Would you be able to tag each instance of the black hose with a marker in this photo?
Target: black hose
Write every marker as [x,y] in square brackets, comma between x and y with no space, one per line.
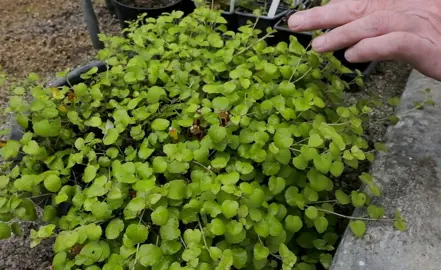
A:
[92,24]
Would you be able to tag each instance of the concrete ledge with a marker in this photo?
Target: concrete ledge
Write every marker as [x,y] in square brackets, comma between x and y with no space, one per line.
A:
[410,178]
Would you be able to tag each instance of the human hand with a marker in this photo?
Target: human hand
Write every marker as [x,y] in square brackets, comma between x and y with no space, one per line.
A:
[378,30]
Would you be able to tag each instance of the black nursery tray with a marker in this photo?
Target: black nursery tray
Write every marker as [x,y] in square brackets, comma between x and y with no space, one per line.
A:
[305,38]
[263,22]
[129,13]
[231,19]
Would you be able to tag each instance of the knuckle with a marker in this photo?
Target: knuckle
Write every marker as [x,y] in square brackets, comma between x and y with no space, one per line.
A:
[396,45]
[381,22]
[400,43]
[360,7]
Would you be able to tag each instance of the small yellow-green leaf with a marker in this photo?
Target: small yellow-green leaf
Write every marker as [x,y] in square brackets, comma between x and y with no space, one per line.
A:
[341,197]
[311,212]
[400,225]
[315,140]
[358,227]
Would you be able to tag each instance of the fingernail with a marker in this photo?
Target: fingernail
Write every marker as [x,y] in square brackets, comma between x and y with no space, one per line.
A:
[350,55]
[318,42]
[295,20]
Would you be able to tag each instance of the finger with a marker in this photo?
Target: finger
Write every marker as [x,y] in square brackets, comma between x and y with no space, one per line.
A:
[336,1]
[375,24]
[421,53]
[330,16]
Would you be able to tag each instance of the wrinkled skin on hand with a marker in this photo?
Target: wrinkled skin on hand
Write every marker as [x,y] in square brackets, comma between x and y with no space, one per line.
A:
[378,30]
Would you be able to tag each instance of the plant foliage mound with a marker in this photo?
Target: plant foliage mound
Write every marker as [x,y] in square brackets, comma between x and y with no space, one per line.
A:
[205,149]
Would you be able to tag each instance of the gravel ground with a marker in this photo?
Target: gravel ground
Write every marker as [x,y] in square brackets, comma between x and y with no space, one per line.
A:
[47,36]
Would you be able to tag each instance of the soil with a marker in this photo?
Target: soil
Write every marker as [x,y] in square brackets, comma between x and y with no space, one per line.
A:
[47,36]
[149,3]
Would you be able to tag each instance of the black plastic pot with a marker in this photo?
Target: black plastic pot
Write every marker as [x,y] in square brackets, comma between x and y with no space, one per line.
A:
[231,19]
[129,13]
[305,38]
[365,68]
[263,22]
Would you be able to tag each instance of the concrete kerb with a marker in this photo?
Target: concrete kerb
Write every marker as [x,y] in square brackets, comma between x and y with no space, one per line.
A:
[409,175]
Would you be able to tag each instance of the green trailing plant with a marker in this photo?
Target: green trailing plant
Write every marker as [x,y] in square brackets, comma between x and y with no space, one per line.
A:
[206,149]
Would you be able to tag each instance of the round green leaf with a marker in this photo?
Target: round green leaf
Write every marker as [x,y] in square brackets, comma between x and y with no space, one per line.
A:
[321,224]
[221,103]
[114,228]
[111,136]
[49,213]
[315,140]
[89,173]
[160,124]
[160,216]
[217,227]
[99,209]
[300,162]
[52,183]
[283,138]
[137,233]
[159,164]
[65,240]
[276,185]
[44,128]
[337,168]
[177,189]
[260,252]
[311,212]
[375,212]
[5,230]
[358,227]
[293,223]
[217,133]
[230,208]
[358,199]
[94,232]
[341,197]
[149,255]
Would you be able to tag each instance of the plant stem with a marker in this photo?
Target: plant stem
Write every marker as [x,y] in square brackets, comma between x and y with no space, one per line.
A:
[330,201]
[182,241]
[251,45]
[274,255]
[39,196]
[203,234]
[301,77]
[136,259]
[355,218]
[201,165]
